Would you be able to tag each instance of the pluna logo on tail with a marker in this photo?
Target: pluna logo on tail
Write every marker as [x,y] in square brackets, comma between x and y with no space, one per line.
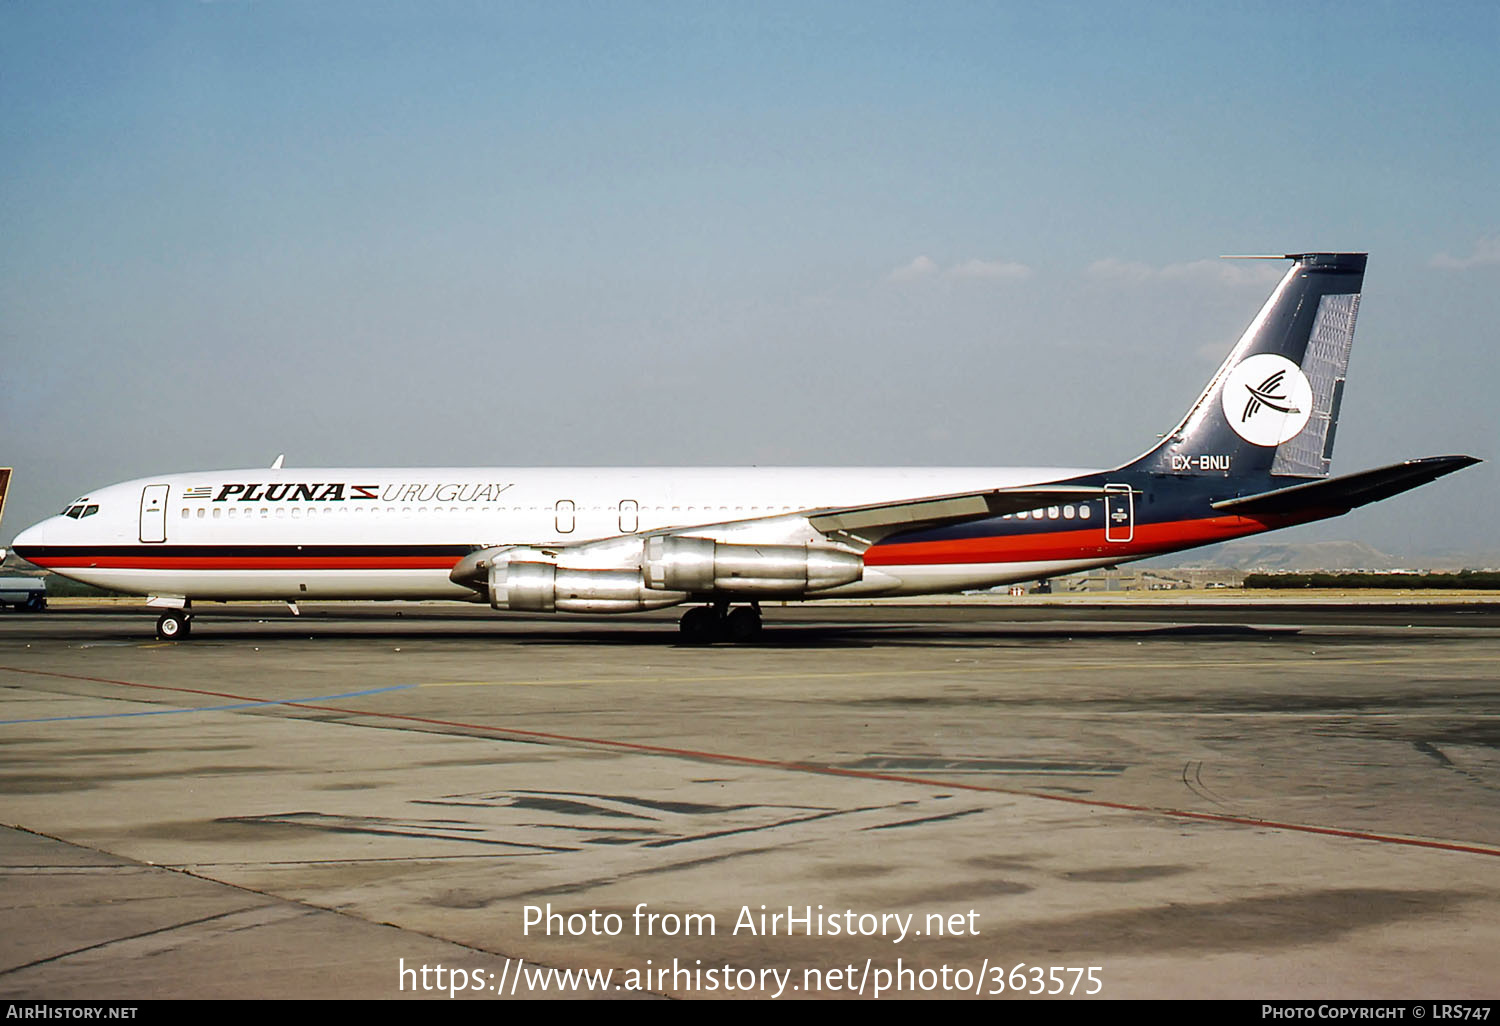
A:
[1266,395]
[1267,399]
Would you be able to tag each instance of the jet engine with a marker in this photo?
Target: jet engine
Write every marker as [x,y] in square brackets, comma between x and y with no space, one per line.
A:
[528,580]
[702,565]
[547,588]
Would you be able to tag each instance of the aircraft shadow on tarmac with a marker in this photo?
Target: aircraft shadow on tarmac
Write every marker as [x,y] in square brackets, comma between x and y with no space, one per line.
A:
[214,630]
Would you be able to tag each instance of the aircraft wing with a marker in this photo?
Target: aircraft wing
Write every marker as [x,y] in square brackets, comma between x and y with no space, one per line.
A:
[871,524]
[853,527]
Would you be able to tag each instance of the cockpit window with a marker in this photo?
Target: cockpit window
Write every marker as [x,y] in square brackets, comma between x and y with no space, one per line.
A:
[73,511]
[90,511]
[79,509]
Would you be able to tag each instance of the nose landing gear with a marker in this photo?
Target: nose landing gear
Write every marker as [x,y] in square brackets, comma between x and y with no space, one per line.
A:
[174,625]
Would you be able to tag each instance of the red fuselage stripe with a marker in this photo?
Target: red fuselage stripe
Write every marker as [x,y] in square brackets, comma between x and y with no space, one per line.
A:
[1027,547]
[1087,543]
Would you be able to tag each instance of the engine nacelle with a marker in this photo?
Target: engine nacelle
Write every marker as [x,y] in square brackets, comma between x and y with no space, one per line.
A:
[700,565]
[547,588]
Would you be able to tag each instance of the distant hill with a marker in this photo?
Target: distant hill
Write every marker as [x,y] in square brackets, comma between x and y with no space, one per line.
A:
[1255,554]
[1258,554]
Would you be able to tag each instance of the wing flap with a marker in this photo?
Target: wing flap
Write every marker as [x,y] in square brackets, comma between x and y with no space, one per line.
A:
[876,521]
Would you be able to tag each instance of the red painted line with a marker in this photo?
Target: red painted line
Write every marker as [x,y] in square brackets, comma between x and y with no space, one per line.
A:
[126,683]
[804,767]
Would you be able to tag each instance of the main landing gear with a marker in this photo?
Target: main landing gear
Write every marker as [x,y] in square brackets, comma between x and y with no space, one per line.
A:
[703,625]
[174,625]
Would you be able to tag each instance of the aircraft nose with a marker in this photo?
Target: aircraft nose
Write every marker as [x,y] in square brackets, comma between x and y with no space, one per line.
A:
[32,538]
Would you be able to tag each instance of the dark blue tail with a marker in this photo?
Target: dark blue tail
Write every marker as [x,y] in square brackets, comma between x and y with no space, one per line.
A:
[1270,411]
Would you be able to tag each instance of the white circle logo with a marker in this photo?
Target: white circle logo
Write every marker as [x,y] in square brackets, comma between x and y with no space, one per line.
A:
[1267,399]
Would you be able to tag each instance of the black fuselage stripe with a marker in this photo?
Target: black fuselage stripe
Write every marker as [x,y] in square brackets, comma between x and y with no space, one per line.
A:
[243,551]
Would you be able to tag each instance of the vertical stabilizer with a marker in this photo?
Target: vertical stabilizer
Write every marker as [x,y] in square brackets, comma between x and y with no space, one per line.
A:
[1272,407]
[4,487]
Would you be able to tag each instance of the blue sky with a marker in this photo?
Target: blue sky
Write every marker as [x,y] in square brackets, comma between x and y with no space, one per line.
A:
[595,233]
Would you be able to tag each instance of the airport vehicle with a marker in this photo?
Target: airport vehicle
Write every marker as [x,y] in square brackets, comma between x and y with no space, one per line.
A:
[28,593]
[1251,455]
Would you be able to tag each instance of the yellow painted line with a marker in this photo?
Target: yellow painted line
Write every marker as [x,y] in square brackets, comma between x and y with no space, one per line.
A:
[688,677]
[684,678]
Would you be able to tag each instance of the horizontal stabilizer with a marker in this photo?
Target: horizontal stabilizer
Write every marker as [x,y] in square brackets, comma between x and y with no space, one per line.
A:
[1351,490]
[872,523]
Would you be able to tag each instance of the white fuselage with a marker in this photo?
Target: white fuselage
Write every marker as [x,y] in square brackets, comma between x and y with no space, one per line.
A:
[395,533]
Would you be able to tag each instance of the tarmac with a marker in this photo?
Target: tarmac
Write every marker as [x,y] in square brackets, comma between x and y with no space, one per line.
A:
[1273,800]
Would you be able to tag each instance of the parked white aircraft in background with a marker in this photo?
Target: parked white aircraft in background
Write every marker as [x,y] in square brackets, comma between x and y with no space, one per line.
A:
[1251,455]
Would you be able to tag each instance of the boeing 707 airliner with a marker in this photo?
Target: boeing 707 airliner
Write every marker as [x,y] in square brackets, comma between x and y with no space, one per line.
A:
[1251,455]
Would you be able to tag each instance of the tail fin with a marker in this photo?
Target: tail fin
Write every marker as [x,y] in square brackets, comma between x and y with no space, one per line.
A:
[4,487]
[1272,407]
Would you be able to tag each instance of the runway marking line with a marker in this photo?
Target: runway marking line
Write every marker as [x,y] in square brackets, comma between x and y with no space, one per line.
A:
[804,767]
[255,704]
[964,669]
